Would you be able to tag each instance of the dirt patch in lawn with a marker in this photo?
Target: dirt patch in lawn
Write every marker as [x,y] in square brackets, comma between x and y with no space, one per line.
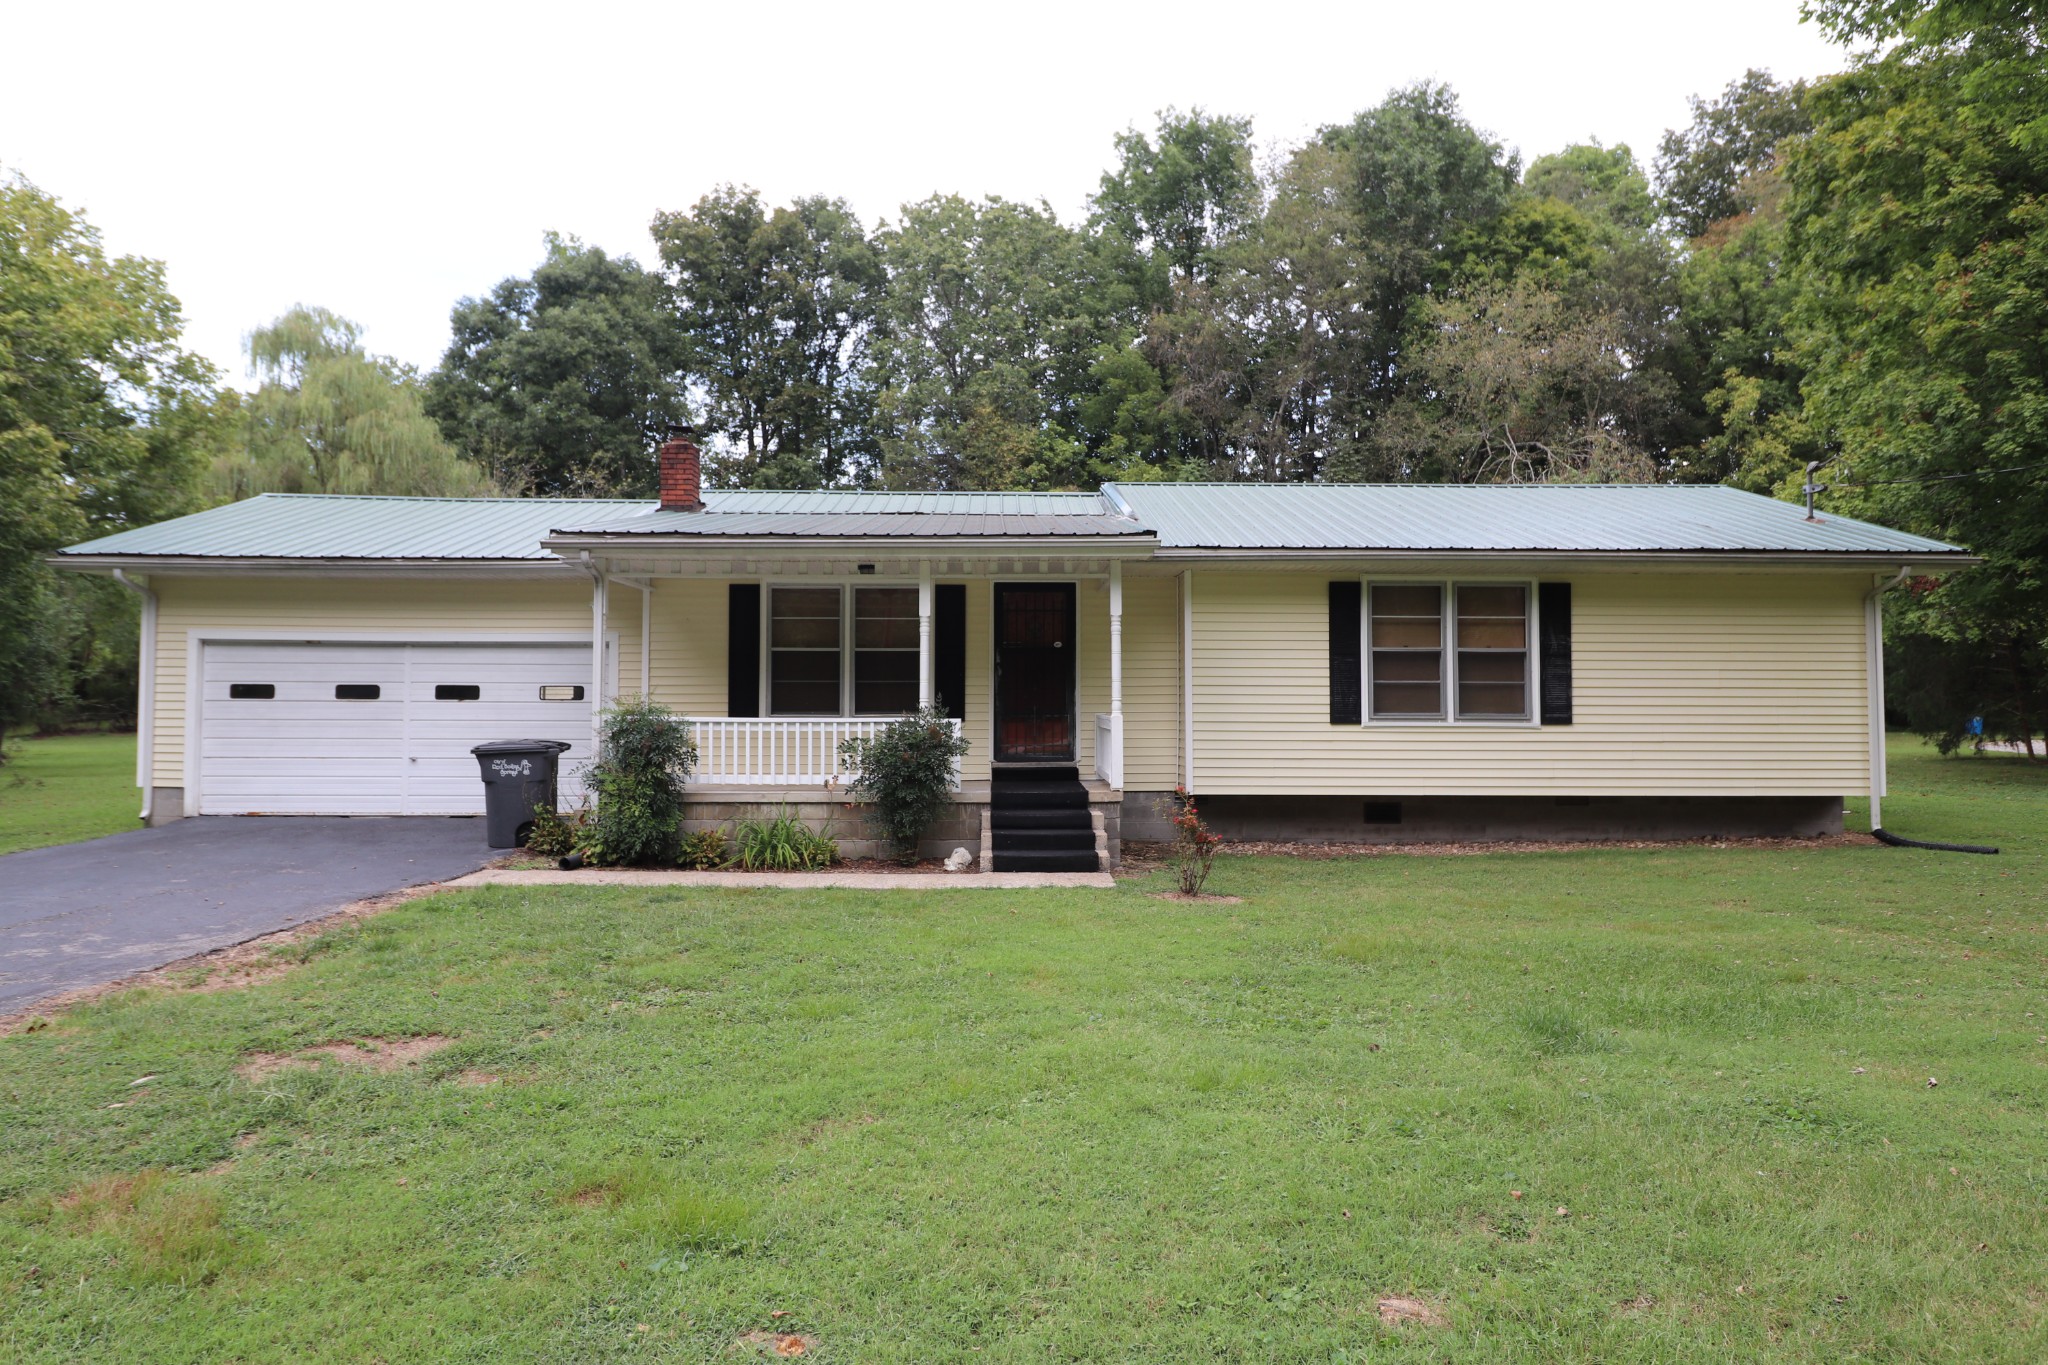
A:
[223,969]
[372,1054]
[1205,898]
[1396,1310]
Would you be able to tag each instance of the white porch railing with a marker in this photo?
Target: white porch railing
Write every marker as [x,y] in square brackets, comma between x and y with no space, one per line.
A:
[1109,749]
[781,751]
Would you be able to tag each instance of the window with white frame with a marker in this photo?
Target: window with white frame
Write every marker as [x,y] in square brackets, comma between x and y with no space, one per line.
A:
[1441,651]
[837,651]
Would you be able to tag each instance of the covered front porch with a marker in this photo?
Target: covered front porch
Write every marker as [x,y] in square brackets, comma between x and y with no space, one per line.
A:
[777,662]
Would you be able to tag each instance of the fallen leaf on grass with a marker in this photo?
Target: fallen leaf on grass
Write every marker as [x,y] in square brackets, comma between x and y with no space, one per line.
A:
[777,1343]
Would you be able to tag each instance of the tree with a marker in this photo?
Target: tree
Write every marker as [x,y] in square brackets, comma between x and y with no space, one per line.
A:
[1604,183]
[1284,358]
[1914,220]
[1512,384]
[1703,170]
[104,422]
[1181,196]
[563,383]
[329,418]
[994,316]
[773,309]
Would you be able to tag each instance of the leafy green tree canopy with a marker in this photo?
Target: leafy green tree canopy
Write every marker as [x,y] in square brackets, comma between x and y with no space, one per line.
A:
[1183,193]
[1705,168]
[562,383]
[104,422]
[329,418]
[773,308]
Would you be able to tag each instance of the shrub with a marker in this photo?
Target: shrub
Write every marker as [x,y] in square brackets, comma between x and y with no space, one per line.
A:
[1193,852]
[704,850]
[555,834]
[780,843]
[906,770]
[645,753]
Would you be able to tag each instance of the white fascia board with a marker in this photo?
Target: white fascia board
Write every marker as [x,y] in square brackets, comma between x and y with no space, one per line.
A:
[1917,561]
[326,568]
[1119,546]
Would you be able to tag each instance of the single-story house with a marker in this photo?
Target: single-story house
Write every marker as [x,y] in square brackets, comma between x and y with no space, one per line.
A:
[1333,662]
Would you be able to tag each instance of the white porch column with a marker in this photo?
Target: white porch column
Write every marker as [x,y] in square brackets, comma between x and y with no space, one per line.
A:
[646,635]
[924,633]
[1116,669]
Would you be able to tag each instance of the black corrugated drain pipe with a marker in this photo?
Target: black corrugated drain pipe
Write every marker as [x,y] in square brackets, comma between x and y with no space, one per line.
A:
[1885,836]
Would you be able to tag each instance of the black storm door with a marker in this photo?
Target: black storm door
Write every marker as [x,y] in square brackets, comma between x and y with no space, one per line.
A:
[1034,672]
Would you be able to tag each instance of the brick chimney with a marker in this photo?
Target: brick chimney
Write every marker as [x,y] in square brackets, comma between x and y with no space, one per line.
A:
[682,477]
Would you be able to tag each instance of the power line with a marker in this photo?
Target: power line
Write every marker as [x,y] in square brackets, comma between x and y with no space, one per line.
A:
[1946,478]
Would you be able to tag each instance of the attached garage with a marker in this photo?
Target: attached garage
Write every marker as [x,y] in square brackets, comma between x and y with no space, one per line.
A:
[371,728]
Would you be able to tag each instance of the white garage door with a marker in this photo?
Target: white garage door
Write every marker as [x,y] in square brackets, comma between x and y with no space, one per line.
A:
[369,729]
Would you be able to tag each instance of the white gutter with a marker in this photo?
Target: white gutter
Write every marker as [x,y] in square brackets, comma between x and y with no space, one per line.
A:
[1873,670]
[145,696]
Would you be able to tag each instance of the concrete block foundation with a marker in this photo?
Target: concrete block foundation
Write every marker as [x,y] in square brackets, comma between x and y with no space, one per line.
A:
[1476,819]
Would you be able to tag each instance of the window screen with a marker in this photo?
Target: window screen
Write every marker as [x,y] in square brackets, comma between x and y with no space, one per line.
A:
[1493,652]
[357,691]
[884,651]
[804,629]
[457,692]
[1408,650]
[252,691]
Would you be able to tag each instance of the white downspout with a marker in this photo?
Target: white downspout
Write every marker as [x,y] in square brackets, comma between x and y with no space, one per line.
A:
[1873,667]
[145,696]
[597,609]
[1187,679]
[925,681]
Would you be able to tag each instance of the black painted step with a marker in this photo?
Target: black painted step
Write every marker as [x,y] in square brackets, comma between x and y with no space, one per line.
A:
[1045,860]
[1037,795]
[1034,773]
[1018,840]
[1026,817]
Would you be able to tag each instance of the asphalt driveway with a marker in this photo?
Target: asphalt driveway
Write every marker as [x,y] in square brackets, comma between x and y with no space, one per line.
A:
[84,914]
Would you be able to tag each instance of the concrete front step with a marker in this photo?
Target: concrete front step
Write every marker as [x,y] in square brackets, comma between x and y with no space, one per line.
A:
[1046,860]
[1069,840]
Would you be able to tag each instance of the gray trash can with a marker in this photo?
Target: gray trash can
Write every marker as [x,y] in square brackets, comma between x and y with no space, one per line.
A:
[519,777]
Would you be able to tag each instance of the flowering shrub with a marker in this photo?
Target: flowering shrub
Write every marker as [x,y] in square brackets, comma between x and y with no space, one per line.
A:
[1194,844]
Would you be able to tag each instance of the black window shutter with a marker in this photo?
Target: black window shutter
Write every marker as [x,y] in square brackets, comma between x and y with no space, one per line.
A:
[743,649]
[1346,673]
[949,647]
[1554,650]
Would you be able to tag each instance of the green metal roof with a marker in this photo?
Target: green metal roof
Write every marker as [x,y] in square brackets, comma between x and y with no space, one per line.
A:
[1240,518]
[1498,518]
[329,526]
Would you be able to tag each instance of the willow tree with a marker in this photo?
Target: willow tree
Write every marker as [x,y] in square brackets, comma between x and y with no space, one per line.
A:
[327,417]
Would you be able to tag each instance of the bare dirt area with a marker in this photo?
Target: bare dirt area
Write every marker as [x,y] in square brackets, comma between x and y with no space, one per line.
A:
[371,1054]
[224,969]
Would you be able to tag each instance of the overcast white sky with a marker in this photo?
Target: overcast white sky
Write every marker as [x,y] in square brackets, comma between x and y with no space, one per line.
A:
[383,159]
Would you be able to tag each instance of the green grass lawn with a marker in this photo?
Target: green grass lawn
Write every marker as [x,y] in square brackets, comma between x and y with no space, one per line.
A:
[1069,1125]
[58,791]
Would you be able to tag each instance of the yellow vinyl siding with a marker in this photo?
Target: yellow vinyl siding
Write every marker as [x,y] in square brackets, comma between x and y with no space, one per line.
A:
[687,659]
[284,606]
[1151,684]
[1709,685]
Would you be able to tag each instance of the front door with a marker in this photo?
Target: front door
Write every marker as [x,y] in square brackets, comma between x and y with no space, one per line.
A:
[1034,672]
